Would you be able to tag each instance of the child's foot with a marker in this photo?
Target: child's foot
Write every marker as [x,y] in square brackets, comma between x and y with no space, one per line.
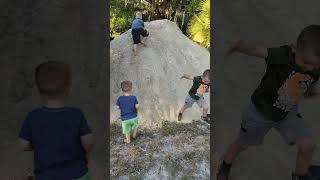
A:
[305,177]
[127,141]
[205,118]
[223,171]
[179,116]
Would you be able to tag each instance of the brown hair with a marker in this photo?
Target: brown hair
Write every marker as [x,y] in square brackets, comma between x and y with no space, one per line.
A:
[126,86]
[206,73]
[309,37]
[53,78]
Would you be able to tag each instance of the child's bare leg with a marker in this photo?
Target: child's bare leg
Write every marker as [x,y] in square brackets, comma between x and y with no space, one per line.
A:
[184,107]
[233,151]
[135,49]
[304,156]
[134,133]
[205,110]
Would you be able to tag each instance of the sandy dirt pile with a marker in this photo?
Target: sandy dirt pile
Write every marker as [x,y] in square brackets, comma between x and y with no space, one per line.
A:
[156,71]
[167,148]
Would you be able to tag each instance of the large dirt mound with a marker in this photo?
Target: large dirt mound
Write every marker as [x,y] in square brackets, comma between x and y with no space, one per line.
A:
[156,71]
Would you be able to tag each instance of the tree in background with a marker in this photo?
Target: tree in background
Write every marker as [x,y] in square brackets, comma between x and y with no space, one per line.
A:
[199,27]
[122,12]
[121,15]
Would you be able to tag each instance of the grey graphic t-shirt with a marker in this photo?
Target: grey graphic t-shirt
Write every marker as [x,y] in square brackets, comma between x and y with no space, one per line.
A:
[283,84]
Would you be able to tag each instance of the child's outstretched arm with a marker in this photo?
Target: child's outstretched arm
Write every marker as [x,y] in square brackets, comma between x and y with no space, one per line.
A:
[248,48]
[185,76]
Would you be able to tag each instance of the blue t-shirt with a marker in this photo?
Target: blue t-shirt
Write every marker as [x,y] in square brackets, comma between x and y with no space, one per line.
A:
[137,23]
[54,134]
[127,105]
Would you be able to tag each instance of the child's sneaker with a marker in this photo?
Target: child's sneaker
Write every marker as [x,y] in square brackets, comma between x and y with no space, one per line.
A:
[179,116]
[223,171]
[306,177]
[205,118]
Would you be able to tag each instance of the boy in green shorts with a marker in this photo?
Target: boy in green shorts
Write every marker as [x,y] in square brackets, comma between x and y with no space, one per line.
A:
[128,105]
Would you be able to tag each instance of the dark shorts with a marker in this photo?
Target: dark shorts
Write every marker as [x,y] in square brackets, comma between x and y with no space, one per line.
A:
[136,33]
[255,126]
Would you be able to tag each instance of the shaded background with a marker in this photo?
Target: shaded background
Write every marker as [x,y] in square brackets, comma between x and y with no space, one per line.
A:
[271,23]
[35,31]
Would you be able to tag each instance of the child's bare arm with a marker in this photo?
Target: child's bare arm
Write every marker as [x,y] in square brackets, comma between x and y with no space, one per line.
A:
[24,145]
[137,106]
[185,76]
[248,48]
[87,142]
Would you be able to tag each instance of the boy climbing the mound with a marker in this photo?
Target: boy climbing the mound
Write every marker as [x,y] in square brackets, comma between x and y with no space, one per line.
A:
[128,105]
[291,74]
[58,135]
[138,30]
[200,86]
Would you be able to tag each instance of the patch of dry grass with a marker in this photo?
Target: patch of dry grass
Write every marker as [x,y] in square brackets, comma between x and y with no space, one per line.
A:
[171,150]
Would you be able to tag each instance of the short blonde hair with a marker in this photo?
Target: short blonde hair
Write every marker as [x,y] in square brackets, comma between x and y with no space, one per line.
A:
[139,15]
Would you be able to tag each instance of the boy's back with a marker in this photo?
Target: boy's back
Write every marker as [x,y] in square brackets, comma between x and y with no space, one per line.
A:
[55,137]
[137,23]
[127,106]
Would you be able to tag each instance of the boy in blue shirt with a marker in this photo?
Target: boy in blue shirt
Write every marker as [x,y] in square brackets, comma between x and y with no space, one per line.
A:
[58,135]
[128,105]
[137,29]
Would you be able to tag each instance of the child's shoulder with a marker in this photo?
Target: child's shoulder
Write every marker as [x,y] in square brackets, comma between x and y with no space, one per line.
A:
[127,97]
[45,109]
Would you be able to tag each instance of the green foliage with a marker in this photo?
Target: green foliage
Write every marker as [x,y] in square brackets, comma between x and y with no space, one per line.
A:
[199,26]
[122,12]
[121,16]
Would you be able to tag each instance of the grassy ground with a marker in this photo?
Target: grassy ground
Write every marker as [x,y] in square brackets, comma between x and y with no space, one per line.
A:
[173,150]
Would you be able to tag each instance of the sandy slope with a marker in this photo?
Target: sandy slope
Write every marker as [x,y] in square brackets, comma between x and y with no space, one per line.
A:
[155,73]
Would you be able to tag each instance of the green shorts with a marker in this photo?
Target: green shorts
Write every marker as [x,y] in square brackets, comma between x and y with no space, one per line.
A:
[85,177]
[129,125]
